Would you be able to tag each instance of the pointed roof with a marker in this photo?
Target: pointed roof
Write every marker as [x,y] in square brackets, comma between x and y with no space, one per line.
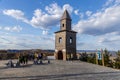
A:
[66,15]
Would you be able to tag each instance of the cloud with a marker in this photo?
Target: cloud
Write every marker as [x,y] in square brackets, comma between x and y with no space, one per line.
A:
[101,22]
[41,19]
[45,32]
[17,14]
[87,46]
[17,28]
[51,17]
[13,42]
[54,9]
[110,41]
[14,13]
[0,28]
[76,12]
[44,21]
[88,13]
[103,28]
[109,2]
[26,41]
[68,7]
[109,38]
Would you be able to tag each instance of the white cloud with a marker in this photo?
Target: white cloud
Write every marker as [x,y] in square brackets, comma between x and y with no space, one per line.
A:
[110,41]
[17,14]
[81,15]
[14,13]
[68,7]
[102,22]
[109,38]
[76,12]
[25,41]
[17,42]
[103,26]
[117,1]
[88,13]
[17,28]
[45,32]
[51,17]
[7,28]
[54,9]
[109,2]
[41,19]
[0,27]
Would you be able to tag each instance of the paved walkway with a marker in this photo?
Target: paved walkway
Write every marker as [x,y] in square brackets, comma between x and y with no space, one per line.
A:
[57,70]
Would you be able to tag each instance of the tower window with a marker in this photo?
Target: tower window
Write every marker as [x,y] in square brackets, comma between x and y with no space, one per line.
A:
[71,40]
[60,40]
[62,25]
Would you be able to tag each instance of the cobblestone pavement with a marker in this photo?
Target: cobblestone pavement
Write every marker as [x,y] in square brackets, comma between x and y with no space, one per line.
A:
[57,70]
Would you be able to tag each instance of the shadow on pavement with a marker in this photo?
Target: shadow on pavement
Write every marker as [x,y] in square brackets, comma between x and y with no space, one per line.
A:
[24,66]
[59,76]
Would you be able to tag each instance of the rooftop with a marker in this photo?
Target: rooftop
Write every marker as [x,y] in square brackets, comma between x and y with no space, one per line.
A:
[66,15]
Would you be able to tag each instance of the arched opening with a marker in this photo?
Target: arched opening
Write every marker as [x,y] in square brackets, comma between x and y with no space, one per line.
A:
[71,40]
[60,55]
[62,25]
[60,39]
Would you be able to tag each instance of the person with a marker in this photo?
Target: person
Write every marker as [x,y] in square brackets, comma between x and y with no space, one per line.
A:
[23,59]
[68,57]
[35,61]
[18,64]
[31,56]
[10,63]
[20,59]
[36,55]
[48,61]
[36,58]
[26,59]
[39,56]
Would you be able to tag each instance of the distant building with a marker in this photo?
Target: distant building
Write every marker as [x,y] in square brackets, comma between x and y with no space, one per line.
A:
[65,39]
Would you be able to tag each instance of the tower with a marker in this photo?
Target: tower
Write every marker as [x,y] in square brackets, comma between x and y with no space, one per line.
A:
[65,39]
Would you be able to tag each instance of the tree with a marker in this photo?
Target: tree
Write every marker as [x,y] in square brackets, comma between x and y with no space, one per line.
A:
[92,58]
[106,57]
[117,61]
[84,57]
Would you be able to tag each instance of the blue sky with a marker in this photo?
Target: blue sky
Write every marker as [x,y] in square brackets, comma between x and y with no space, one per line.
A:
[30,24]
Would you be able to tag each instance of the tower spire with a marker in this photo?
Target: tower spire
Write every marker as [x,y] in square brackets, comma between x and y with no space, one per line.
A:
[66,15]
